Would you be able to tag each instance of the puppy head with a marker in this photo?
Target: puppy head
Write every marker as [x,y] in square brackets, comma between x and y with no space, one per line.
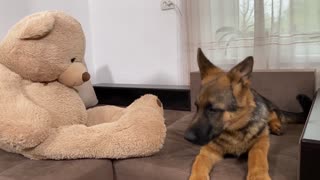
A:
[224,101]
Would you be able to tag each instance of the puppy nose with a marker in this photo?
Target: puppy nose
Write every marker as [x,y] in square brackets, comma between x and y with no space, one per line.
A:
[85,76]
[190,136]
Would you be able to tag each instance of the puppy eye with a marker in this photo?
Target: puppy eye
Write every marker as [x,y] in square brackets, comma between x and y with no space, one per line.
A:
[73,59]
[214,110]
[211,109]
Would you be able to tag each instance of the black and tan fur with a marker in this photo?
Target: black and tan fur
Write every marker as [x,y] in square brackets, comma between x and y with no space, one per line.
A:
[232,118]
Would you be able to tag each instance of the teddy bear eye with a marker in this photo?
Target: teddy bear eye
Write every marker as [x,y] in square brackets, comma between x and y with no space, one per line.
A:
[73,59]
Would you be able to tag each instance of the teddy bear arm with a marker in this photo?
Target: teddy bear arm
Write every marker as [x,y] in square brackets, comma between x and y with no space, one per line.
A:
[103,114]
[23,125]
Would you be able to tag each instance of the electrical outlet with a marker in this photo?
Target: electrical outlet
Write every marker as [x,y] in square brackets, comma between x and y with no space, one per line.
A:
[167,5]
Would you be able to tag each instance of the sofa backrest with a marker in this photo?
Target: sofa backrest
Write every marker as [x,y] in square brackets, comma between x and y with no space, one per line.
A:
[281,87]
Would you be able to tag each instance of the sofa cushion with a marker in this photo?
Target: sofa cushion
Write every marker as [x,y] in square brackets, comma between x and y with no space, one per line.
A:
[175,159]
[17,167]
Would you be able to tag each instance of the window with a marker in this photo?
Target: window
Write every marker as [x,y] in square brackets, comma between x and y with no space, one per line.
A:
[279,33]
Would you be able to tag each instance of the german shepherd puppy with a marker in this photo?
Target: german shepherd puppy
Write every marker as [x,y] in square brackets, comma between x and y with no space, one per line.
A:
[232,118]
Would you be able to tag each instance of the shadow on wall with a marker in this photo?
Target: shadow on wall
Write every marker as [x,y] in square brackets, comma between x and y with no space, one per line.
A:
[103,75]
[160,79]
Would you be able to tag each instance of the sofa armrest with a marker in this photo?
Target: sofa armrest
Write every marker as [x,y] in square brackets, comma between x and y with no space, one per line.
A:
[310,143]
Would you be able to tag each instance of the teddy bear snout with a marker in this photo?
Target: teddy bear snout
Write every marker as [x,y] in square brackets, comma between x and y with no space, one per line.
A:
[85,76]
[75,75]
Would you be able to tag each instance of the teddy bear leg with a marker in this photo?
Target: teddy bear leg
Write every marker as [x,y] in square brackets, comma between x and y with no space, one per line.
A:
[139,132]
[103,114]
[22,125]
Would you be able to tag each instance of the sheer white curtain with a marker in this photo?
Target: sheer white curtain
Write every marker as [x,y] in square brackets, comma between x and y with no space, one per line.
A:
[280,34]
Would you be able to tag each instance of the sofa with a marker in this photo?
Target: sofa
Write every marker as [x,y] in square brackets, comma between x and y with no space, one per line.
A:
[174,161]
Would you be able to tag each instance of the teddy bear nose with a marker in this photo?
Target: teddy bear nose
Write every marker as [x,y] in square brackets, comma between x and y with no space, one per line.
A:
[85,76]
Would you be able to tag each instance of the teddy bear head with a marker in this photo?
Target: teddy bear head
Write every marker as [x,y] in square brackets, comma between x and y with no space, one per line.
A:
[45,47]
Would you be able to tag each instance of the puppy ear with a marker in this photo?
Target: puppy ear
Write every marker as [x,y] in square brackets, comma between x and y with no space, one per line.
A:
[205,66]
[37,26]
[242,70]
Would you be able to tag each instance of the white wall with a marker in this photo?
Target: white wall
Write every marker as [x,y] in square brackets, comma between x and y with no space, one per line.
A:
[128,41]
[11,11]
[135,42]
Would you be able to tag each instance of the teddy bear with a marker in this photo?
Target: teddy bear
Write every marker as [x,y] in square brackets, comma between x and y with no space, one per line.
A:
[42,115]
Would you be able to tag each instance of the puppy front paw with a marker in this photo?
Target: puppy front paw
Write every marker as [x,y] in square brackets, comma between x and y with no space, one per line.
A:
[195,176]
[262,176]
[276,128]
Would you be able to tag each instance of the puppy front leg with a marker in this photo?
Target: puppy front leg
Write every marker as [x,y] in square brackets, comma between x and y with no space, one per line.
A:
[209,155]
[258,168]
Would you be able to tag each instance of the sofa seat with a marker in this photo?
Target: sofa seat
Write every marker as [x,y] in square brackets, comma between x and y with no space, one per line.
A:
[17,167]
[174,161]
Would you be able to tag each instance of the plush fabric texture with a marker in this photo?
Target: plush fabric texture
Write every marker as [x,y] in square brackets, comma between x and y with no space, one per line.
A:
[43,117]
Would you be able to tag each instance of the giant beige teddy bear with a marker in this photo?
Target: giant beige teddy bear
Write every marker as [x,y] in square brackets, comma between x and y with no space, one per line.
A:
[43,117]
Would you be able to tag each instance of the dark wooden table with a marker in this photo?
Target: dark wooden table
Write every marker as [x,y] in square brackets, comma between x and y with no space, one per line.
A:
[310,144]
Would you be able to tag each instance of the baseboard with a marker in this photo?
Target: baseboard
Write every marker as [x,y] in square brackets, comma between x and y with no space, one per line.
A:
[172,97]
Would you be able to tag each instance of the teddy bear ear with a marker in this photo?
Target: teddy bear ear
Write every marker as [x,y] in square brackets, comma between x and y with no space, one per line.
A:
[37,26]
